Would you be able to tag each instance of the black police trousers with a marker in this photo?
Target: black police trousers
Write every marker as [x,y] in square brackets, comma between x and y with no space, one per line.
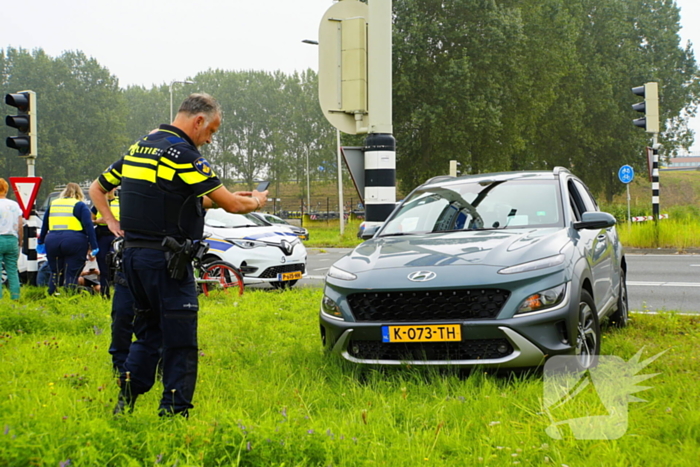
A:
[122,324]
[165,318]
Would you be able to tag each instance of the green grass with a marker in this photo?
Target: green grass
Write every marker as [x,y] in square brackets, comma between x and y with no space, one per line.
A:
[326,234]
[268,395]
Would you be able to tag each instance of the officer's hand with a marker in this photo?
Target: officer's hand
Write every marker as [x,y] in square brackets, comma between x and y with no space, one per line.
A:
[261,196]
[94,252]
[41,249]
[115,228]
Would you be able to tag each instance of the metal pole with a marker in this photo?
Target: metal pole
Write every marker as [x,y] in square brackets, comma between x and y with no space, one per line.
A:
[340,184]
[655,179]
[171,94]
[308,183]
[629,215]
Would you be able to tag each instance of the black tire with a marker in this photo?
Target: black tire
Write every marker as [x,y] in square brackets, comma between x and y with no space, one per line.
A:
[620,317]
[229,278]
[283,284]
[587,345]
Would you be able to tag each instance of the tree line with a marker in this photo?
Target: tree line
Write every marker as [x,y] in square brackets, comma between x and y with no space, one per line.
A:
[496,85]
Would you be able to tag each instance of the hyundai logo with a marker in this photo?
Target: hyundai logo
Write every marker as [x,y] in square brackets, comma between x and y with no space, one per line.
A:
[422,276]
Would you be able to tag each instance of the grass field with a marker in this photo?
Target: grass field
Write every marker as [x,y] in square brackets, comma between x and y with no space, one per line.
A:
[268,395]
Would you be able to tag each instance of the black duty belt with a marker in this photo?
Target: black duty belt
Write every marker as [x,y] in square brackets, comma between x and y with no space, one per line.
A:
[152,244]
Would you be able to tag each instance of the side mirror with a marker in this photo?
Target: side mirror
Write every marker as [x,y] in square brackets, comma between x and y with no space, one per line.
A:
[369,232]
[595,220]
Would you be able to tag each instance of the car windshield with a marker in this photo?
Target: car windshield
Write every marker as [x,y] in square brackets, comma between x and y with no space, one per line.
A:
[221,218]
[274,219]
[478,205]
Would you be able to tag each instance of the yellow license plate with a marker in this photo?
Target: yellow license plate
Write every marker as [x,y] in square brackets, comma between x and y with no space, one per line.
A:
[425,333]
[289,276]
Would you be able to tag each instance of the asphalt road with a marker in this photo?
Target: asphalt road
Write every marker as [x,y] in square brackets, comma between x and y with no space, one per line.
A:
[658,282]
[655,282]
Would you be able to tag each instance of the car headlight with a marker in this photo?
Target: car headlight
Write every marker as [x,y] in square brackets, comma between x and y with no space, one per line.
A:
[330,308]
[340,274]
[543,300]
[246,244]
[548,262]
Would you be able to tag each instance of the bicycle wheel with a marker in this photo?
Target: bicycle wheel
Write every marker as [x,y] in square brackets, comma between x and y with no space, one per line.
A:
[221,275]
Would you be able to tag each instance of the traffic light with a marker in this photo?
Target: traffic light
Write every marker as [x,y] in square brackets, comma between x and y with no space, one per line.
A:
[650,107]
[24,121]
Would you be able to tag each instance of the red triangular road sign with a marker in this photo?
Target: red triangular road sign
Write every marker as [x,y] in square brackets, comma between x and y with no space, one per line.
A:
[25,189]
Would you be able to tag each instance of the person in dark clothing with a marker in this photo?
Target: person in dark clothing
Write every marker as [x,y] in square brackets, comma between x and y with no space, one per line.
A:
[104,241]
[166,185]
[66,233]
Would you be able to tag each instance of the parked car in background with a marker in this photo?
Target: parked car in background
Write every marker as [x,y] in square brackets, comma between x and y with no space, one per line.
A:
[263,252]
[494,270]
[271,219]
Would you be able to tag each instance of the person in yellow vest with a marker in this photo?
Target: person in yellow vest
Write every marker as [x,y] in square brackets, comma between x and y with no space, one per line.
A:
[104,240]
[66,234]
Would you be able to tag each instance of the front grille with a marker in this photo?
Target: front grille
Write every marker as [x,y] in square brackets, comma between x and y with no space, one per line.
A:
[481,349]
[271,273]
[431,305]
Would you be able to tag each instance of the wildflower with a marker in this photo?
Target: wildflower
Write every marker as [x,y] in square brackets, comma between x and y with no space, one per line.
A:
[248,446]
[494,423]
[7,429]
[311,432]
[64,463]
[159,457]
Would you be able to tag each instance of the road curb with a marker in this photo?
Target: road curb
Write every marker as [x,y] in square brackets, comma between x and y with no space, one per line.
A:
[662,251]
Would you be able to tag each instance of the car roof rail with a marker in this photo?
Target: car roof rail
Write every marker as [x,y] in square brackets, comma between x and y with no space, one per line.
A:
[558,169]
[439,178]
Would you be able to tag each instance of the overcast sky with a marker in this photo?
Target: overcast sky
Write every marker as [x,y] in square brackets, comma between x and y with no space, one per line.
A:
[147,42]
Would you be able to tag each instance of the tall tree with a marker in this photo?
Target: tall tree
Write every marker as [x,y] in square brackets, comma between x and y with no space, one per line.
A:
[80,114]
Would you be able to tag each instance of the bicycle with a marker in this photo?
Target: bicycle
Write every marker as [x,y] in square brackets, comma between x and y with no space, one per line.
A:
[208,275]
[216,274]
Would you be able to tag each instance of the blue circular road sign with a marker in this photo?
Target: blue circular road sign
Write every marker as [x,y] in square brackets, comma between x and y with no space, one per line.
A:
[626,174]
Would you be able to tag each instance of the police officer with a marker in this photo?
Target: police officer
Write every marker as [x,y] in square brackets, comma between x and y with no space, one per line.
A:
[165,186]
[104,240]
[66,232]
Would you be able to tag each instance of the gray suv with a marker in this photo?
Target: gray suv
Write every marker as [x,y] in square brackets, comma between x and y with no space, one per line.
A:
[495,270]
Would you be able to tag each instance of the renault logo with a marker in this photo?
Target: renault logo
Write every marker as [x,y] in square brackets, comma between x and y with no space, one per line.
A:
[422,276]
[286,247]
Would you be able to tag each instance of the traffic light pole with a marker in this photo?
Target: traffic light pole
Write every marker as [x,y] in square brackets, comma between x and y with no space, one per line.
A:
[655,179]
[30,232]
[380,145]
[26,143]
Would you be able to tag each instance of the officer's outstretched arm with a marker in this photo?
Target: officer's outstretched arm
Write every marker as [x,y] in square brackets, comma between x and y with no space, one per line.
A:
[99,199]
[236,202]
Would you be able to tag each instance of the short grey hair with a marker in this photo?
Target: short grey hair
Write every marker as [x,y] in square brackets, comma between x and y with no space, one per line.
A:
[200,103]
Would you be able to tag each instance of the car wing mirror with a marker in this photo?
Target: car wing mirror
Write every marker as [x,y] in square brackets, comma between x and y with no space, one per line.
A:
[595,220]
[369,232]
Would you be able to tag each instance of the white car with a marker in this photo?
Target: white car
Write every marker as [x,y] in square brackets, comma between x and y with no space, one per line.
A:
[300,232]
[263,253]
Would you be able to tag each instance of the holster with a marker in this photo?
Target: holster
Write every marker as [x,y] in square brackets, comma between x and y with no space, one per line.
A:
[178,256]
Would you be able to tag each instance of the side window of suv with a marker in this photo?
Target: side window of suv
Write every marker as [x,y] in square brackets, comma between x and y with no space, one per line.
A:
[586,197]
[580,199]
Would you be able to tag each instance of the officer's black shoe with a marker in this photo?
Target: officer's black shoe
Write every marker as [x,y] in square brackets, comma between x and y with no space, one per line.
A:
[124,405]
